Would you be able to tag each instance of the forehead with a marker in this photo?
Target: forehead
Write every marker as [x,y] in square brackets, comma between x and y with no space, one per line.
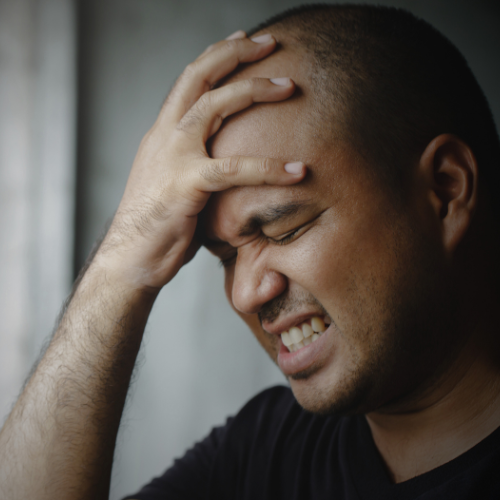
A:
[287,130]
[282,129]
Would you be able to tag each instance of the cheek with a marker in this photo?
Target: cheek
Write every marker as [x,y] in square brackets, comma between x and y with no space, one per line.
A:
[348,267]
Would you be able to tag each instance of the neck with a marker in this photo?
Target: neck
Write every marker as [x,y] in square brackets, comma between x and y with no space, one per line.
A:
[458,412]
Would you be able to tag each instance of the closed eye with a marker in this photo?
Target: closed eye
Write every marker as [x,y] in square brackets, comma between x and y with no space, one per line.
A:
[230,259]
[285,239]
[289,237]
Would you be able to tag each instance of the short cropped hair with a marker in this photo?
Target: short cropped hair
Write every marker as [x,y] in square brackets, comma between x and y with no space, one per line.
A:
[389,83]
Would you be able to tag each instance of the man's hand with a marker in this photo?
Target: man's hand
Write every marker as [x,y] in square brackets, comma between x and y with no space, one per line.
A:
[172,176]
[59,440]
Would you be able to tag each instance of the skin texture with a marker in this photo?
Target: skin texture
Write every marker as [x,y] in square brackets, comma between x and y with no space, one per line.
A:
[410,344]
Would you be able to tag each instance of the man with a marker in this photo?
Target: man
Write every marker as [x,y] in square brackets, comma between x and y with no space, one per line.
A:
[354,216]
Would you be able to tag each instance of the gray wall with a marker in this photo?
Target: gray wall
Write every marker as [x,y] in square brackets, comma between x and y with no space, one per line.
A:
[37,173]
[198,363]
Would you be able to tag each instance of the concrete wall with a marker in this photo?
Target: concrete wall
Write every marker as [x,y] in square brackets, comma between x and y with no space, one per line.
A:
[37,173]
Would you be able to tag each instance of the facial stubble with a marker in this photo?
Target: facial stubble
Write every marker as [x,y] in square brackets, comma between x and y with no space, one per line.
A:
[409,321]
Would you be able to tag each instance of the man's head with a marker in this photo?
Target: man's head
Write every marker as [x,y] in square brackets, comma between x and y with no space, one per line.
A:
[388,83]
[369,238]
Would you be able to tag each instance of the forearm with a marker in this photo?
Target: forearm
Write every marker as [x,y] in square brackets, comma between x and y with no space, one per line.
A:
[62,430]
[58,441]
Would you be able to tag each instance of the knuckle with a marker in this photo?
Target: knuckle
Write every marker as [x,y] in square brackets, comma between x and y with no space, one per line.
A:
[196,71]
[228,48]
[265,166]
[205,102]
[213,173]
[152,140]
[197,116]
[192,122]
[217,121]
[172,94]
[209,48]
[147,139]
[190,70]
[232,166]
[251,86]
[255,82]
[231,45]
[245,86]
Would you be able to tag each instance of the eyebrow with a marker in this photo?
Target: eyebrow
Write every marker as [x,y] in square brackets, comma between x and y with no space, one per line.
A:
[269,216]
[261,218]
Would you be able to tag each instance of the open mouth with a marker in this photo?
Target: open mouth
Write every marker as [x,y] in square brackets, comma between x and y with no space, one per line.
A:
[305,333]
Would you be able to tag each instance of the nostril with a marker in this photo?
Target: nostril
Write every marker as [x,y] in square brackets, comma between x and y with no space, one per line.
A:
[267,283]
[252,291]
[272,284]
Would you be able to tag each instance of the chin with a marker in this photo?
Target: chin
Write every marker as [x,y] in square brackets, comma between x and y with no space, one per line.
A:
[350,396]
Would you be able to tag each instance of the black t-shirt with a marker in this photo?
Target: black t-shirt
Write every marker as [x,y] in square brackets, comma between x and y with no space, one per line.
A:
[274,450]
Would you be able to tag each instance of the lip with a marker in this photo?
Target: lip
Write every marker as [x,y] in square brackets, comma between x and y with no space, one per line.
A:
[291,363]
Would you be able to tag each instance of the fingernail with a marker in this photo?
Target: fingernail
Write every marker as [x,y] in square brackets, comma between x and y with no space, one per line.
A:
[280,81]
[262,38]
[236,35]
[294,167]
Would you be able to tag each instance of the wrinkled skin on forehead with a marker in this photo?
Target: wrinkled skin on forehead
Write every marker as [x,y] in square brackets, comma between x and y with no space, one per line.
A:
[376,267]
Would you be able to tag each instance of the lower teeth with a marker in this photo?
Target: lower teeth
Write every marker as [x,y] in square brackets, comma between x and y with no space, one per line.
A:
[303,343]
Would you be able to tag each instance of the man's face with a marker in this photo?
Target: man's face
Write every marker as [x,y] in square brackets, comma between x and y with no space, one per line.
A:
[335,245]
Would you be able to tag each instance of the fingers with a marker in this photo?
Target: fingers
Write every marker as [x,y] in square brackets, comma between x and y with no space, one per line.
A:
[236,35]
[200,76]
[224,173]
[206,116]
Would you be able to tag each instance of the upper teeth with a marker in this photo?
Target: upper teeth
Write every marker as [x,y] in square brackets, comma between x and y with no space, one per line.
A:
[304,334]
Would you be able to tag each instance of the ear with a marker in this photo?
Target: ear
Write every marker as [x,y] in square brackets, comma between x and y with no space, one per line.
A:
[450,171]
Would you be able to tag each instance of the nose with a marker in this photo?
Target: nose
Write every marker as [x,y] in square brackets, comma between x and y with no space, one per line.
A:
[254,283]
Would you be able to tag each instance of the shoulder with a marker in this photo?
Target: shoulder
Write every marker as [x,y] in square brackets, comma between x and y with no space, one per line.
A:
[272,437]
[269,406]
[250,437]
[273,399]
[274,416]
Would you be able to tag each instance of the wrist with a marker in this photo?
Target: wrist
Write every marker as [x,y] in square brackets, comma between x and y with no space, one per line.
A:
[124,283]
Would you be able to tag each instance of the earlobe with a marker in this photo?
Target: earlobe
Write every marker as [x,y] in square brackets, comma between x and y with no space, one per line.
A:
[451,174]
